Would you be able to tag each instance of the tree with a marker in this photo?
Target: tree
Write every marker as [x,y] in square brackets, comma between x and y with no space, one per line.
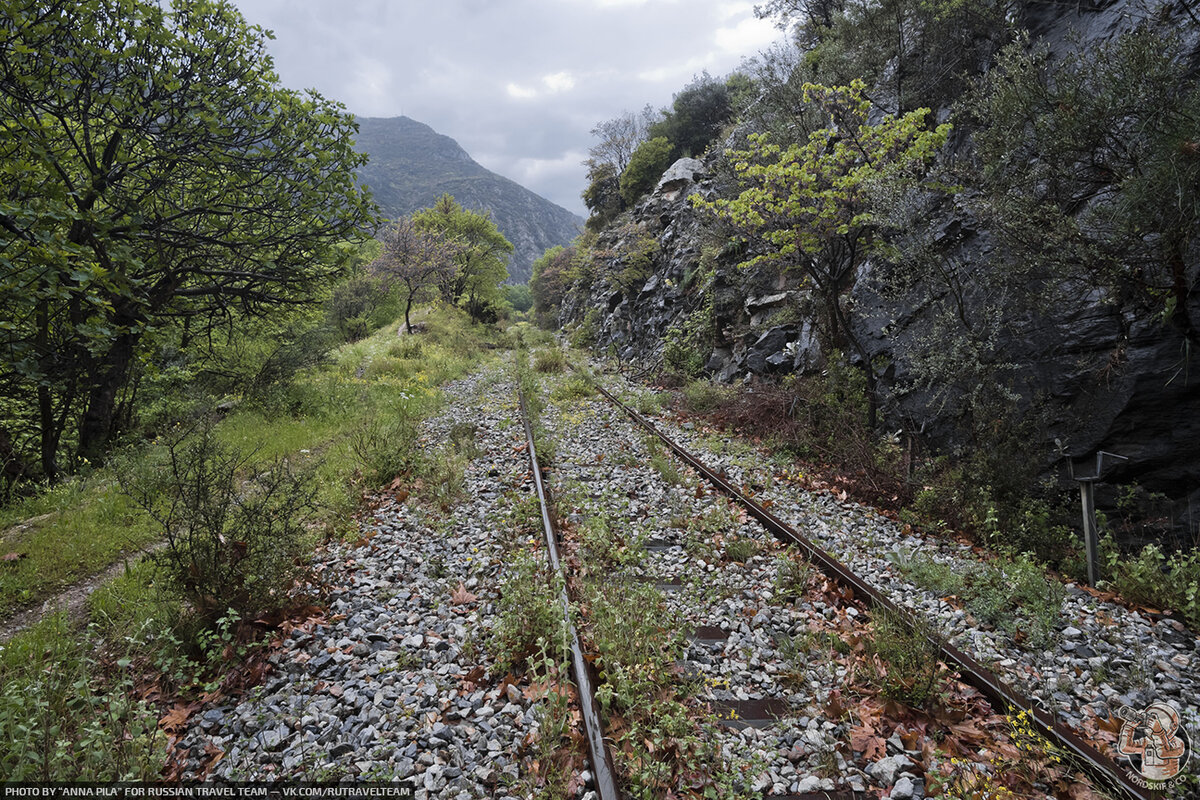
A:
[697,115]
[603,194]
[153,171]
[812,204]
[480,257]
[619,137]
[649,162]
[418,259]
[552,277]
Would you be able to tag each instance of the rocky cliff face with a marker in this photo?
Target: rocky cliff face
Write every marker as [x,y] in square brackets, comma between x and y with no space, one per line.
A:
[1109,381]
[411,166]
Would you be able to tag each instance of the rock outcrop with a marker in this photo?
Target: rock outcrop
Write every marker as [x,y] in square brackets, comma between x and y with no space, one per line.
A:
[1110,381]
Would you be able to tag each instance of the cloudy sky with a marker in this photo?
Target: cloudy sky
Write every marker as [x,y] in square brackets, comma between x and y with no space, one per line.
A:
[518,83]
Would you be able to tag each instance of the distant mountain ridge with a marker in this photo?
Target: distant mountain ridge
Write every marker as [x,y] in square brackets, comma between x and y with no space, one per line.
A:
[411,165]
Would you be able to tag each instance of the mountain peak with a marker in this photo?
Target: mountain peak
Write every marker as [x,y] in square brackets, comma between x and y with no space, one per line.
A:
[411,165]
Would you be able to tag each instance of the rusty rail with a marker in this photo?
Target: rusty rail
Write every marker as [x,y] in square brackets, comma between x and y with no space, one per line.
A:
[601,759]
[1000,694]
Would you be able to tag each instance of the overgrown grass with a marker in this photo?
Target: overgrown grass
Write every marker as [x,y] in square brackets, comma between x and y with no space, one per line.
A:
[68,709]
[69,714]
[1012,593]
[906,657]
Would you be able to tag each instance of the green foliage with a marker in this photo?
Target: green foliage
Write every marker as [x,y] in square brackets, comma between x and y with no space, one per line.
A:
[60,722]
[1091,167]
[687,342]
[603,195]
[519,296]
[386,446]
[550,360]
[585,332]
[574,387]
[742,549]
[191,188]
[703,396]
[909,652]
[662,463]
[480,255]
[792,572]
[637,256]
[1155,579]
[352,307]
[529,617]
[647,165]
[813,204]
[553,275]
[697,115]
[1013,593]
[234,529]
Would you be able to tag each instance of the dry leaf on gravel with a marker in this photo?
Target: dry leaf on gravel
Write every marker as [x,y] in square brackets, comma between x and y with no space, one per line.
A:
[461,596]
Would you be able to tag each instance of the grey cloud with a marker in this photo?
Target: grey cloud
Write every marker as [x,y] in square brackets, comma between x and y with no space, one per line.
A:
[478,70]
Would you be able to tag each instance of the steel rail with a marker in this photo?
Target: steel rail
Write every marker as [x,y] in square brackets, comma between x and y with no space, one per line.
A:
[1001,695]
[601,759]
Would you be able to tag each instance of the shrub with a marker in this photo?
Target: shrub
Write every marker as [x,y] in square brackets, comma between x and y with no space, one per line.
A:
[386,448]
[647,164]
[702,396]
[585,333]
[529,618]
[235,530]
[1154,579]
[906,657]
[550,360]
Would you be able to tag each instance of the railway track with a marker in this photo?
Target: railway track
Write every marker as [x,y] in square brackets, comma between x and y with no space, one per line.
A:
[772,716]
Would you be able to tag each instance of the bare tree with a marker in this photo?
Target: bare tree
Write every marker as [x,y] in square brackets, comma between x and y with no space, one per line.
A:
[620,137]
[416,258]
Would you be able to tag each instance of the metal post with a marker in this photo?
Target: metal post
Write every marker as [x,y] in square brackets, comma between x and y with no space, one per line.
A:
[1087,491]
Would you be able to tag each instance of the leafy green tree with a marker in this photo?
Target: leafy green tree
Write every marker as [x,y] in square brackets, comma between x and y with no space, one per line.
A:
[553,275]
[480,257]
[647,165]
[812,205]
[153,170]
[519,297]
[697,115]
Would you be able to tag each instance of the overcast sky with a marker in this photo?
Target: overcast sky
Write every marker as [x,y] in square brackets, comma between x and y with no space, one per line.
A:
[518,83]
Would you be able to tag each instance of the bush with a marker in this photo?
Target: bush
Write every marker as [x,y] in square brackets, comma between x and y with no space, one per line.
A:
[585,333]
[906,656]
[386,448]
[352,307]
[702,396]
[646,166]
[550,360]
[1154,579]
[235,530]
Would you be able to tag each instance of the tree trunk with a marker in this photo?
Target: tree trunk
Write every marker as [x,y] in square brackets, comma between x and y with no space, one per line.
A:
[98,424]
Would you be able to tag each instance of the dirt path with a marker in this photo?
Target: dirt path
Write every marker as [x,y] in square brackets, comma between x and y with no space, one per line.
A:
[73,600]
